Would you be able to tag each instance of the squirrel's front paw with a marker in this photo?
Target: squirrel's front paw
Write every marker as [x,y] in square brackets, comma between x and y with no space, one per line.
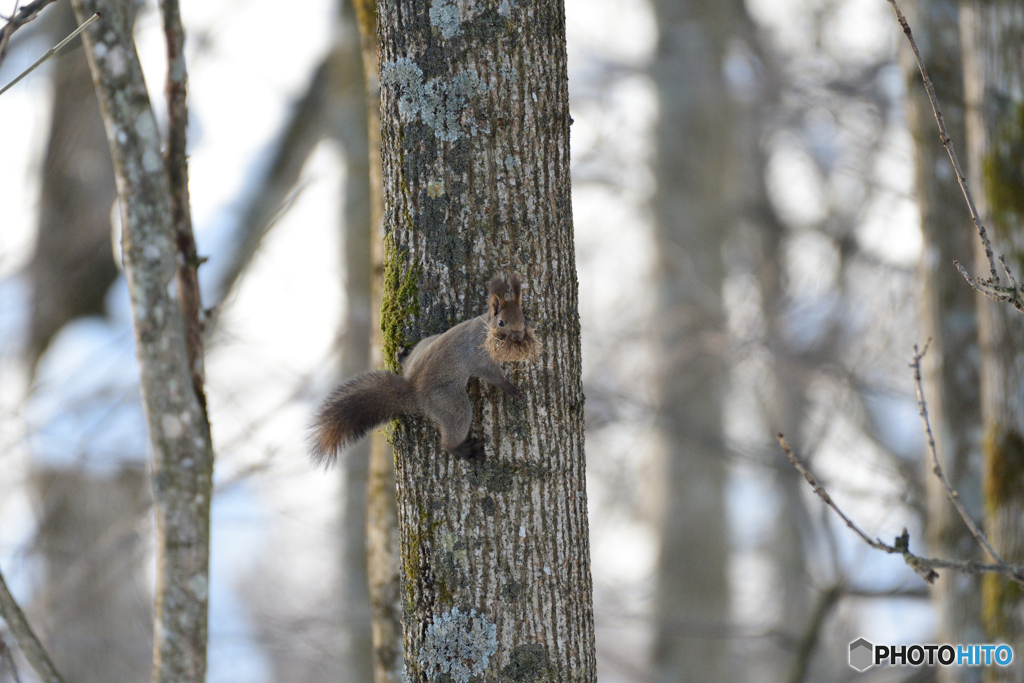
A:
[471,450]
[514,391]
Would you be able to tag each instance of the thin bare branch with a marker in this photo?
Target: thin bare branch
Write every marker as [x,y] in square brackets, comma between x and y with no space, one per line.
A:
[49,53]
[951,493]
[812,633]
[8,659]
[18,19]
[991,287]
[33,650]
[176,161]
[823,494]
[924,566]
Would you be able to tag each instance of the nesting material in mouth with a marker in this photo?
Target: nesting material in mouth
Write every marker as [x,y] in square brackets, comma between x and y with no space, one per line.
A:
[502,347]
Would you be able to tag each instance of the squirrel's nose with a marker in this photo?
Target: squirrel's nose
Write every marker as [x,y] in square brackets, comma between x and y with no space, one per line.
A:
[517,335]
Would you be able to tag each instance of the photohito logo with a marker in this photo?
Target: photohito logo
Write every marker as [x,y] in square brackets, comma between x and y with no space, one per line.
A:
[864,655]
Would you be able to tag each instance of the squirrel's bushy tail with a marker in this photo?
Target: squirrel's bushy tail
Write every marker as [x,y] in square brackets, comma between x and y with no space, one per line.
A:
[356,407]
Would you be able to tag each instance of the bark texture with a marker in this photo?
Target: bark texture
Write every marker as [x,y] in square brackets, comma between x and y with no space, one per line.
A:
[993,71]
[951,367]
[692,217]
[176,417]
[475,137]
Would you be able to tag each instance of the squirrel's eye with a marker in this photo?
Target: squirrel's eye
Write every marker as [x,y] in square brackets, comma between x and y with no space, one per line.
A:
[501,323]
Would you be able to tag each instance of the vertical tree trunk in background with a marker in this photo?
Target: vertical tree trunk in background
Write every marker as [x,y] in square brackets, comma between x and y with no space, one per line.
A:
[73,264]
[91,602]
[949,313]
[94,598]
[693,144]
[349,127]
[175,412]
[475,136]
[993,33]
[383,559]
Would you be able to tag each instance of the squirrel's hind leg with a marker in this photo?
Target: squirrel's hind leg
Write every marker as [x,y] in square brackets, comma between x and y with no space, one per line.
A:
[453,417]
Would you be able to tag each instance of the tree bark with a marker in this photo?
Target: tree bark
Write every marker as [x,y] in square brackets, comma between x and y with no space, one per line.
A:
[692,217]
[175,413]
[993,71]
[950,320]
[382,544]
[475,134]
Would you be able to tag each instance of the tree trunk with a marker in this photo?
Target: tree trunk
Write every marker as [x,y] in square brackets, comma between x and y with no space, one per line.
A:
[73,264]
[348,125]
[475,136]
[175,409]
[950,320]
[382,545]
[90,602]
[692,217]
[993,71]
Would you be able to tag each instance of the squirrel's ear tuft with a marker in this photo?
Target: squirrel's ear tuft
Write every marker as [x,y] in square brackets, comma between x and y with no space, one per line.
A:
[497,295]
[517,289]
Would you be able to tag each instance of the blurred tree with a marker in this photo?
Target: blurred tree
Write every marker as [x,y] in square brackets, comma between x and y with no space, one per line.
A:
[993,72]
[158,249]
[93,598]
[695,144]
[73,264]
[949,320]
[383,555]
[475,134]
[341,102]
[348,125]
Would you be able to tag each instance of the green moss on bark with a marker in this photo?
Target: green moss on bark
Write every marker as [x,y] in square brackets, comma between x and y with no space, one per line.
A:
[400,303]
[1004,488]
[1003,170]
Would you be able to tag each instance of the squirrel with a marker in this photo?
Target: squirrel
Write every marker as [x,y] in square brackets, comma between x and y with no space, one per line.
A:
[433,380]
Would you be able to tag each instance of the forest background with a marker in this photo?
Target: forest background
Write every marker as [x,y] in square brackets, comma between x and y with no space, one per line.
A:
[765,224]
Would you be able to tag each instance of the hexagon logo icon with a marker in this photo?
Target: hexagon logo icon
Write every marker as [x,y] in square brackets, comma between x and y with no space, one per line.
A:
[861,654]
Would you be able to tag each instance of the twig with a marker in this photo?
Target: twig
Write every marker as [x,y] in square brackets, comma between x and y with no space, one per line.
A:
[176,161]
[951,493]
[34,651]
[51,52]
[6,33]
[18,19]
[812,633]
[924,566]
[991,287]
[8,660]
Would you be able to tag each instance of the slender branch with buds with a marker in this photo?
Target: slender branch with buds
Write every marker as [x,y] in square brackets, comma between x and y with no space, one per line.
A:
[991,287]
[924,566]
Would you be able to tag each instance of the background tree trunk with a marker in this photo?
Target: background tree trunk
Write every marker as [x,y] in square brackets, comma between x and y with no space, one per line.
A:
[73,264]
[93,598]
[475,134]
[348,126]
[949,320]
[383,558]
[993,71]
[692,217]
[175,408]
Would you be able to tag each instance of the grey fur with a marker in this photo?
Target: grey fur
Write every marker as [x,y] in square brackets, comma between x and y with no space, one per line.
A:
[433,383]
